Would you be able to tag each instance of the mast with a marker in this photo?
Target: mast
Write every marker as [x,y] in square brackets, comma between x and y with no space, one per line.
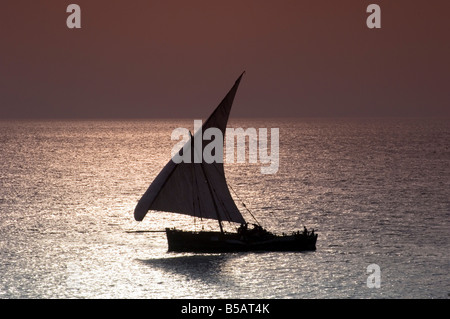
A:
[219,219]
[195,188]
[211,192]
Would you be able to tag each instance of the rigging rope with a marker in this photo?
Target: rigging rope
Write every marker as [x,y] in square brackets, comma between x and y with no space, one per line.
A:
[243,204]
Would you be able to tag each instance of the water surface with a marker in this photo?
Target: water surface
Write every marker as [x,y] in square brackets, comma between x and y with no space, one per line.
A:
[376,191]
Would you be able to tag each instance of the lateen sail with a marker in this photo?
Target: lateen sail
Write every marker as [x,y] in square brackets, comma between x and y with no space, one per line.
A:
[196,189]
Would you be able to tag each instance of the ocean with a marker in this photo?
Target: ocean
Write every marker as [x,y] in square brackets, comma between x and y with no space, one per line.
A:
[376,191]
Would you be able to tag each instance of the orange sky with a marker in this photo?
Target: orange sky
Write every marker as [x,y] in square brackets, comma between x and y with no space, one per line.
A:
[147,59]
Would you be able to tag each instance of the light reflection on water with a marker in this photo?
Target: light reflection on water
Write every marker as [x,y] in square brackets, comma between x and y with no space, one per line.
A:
[375,191]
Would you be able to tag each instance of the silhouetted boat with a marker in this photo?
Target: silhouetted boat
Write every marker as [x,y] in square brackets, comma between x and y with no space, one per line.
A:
[200,190]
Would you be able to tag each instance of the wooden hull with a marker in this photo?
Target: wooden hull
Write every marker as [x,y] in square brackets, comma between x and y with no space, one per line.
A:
[212,242]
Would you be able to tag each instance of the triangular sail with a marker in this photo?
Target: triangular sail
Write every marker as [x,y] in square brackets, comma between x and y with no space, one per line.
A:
[196,189]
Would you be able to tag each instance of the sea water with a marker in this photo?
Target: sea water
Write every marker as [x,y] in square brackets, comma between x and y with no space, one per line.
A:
[377,191]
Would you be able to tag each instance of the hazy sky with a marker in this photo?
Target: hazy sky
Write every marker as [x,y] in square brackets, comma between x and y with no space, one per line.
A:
[147,59]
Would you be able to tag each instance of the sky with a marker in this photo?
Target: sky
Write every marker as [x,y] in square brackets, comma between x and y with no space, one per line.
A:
[178,58]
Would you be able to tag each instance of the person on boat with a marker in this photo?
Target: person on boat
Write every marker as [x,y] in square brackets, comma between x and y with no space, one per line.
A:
[243,228]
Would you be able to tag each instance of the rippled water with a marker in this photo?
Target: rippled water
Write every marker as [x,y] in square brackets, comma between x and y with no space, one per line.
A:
[377,191]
